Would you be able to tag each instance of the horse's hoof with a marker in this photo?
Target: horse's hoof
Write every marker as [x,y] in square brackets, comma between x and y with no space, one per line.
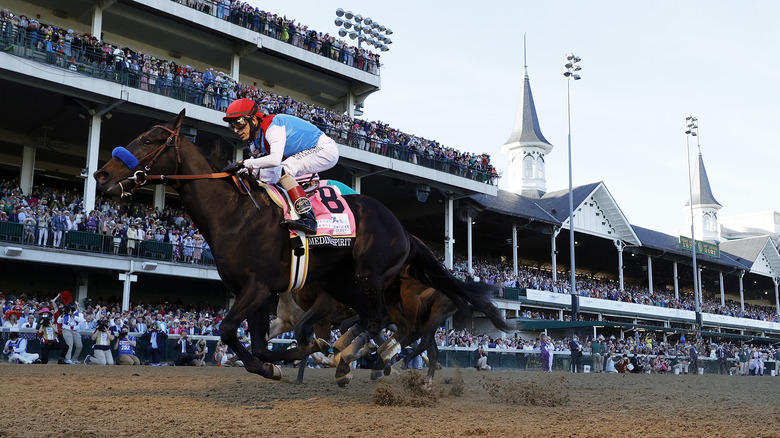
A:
[277,372]
[388,369]
[343,381]
[377,374]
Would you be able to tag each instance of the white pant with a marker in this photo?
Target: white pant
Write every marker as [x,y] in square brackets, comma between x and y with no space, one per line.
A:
[22,357]
[482,363]
[102,357]
[317,159]
[73,339]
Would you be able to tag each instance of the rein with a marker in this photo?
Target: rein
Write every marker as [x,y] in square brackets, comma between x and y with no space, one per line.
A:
[141,177]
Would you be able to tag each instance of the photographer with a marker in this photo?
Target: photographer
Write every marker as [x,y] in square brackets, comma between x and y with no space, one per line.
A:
[47,332]
[16,349]
[69,320]
[102,348]
[156,344]
[125,346]
[188,354]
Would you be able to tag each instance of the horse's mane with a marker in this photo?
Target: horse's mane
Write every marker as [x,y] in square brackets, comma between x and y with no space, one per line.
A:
[217,153]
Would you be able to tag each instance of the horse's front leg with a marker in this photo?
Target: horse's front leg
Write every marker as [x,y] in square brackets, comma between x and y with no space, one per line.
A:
[259,324]
[250,301]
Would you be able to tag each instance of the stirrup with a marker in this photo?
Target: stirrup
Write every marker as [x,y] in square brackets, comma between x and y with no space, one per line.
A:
[305,223]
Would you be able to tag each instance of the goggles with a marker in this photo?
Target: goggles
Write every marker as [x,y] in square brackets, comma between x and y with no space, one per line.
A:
[239,123]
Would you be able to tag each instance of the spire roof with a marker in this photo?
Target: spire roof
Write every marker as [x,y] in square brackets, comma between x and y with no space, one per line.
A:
[702,193]
[526,131]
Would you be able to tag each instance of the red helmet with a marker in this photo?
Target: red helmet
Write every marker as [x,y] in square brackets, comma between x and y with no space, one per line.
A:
[239,108]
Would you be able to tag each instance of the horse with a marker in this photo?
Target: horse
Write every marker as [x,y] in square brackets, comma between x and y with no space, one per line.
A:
[252,250]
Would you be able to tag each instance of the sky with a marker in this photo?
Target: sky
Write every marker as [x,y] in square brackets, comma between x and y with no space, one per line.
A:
[455,68]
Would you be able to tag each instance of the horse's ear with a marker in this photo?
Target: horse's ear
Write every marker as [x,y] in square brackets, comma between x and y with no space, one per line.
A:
[175,123]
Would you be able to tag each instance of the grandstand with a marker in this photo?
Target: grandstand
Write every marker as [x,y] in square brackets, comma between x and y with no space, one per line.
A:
[65,110]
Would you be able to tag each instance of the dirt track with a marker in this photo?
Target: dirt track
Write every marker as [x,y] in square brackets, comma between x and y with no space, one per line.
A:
[210,401]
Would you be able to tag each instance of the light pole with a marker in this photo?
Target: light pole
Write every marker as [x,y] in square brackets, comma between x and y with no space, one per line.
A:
[572,68]
[364,29]
[692,130]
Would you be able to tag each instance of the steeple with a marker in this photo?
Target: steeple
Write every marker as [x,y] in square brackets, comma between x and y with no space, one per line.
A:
[527,147]
[705,207]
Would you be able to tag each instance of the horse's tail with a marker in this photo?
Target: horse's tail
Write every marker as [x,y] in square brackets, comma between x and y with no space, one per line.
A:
[469,297]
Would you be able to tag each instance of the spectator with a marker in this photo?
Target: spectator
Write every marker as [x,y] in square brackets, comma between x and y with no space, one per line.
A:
[481,360]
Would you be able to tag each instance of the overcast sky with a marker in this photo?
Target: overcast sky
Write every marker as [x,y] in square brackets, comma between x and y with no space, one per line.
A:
[454,74]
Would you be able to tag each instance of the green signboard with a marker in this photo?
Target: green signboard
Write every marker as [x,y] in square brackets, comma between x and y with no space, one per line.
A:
[705,248]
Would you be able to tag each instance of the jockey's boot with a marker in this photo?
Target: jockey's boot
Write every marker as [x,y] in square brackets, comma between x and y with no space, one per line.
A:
[306,221]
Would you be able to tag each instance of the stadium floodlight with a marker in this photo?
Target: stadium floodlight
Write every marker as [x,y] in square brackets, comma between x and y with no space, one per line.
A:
[342,33]
[692,130]
[571,67]
[364,29]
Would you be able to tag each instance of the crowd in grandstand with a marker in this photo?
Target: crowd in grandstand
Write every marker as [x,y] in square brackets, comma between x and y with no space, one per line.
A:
[288,31]
[501,274]
[48,213]
[216,89]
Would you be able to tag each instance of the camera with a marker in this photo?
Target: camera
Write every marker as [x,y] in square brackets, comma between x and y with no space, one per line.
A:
[45,322]
[102,325]
[122,335]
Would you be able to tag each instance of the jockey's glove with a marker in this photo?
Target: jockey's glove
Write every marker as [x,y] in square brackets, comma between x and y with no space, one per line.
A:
[234,166]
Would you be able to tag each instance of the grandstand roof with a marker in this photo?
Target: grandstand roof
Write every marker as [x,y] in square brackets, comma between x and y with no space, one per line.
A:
[526,130]
[758,254]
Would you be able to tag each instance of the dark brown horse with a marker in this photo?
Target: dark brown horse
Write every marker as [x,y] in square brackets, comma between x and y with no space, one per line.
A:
[252,251]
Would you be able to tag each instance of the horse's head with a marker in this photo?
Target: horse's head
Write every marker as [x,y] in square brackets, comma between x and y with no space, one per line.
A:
[153,151]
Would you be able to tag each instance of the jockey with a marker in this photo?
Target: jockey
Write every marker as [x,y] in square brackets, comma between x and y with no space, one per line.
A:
[286,144]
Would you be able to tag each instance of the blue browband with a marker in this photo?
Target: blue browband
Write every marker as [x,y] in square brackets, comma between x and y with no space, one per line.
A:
[126,157]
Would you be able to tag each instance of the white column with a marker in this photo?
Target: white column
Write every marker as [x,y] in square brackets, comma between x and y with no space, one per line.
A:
[235,64]
[514,248]
[469,245]
[449,239]
[554,254]
[701,293]
[722,290]
[93,148]
[128,278]
[27,173]
[83,288]
[159,197]
[620,245]
[777,298]
[351,104]
[650,274]
[741,291]
[356,182]
[97,20]
[676,282]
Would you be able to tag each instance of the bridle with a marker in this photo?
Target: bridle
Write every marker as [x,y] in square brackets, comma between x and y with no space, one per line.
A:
[141,177]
